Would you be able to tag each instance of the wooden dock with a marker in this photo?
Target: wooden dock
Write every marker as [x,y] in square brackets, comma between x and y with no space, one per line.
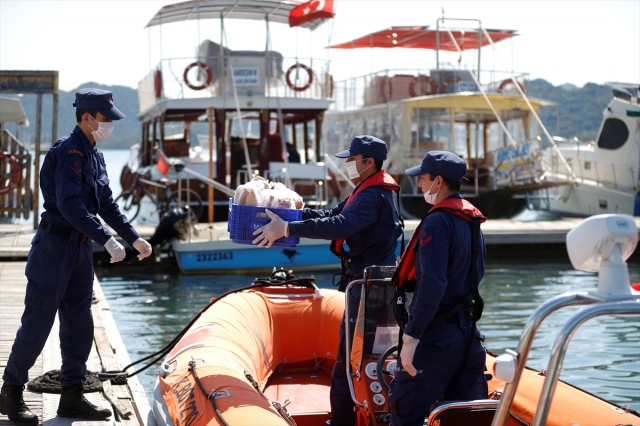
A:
[108,350]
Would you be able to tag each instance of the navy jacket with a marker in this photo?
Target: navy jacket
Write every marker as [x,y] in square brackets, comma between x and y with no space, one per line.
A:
[370,225]
[443,262]
[75,188]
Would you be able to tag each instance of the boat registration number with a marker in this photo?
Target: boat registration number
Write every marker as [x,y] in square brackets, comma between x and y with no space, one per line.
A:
[215,256]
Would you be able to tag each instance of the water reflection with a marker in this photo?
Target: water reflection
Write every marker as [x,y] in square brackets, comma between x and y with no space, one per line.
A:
[152,304]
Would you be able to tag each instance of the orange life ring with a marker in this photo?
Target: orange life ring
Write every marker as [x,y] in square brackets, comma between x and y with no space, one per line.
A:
[157,83]
[447,81]
[204,67]
[15,175]
[507,82]
[309,73]
[422,83]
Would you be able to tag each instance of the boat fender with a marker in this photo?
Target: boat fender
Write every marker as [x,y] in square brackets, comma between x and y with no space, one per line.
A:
[423,85]
[15,177]
[202,66]
[447,81]
[309,74]
[157,83]
[508,82]
[328,88]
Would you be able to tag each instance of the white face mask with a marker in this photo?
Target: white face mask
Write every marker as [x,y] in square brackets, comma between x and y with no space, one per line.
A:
[429,197]
[104,129]
[352,170]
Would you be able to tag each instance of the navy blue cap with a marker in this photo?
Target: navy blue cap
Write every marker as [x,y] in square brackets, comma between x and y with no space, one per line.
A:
[368,146]
[101,100]
[441,163]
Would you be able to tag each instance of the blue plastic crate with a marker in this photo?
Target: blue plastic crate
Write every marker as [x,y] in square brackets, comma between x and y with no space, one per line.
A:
[244,220]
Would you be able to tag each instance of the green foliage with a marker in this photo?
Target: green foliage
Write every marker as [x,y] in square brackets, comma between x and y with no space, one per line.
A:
[580,108]
[126,132]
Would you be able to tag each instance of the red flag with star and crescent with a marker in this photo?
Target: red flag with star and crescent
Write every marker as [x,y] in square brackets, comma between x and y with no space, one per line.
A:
[310,11]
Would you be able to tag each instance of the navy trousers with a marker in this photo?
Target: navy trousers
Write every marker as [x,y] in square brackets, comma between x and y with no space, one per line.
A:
[342,406]
[60,279]
[438,358]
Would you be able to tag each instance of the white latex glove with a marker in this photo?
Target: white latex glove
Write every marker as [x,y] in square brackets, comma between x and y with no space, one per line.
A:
[272,231]
[143,247]
[115,249]
[409,345]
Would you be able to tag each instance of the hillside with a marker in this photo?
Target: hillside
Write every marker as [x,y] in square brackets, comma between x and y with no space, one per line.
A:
[580,111]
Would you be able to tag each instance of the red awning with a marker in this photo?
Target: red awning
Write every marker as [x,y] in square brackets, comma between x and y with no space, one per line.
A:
[423,38]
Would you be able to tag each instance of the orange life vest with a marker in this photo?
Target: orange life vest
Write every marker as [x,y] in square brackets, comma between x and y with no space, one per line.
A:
[381,179]
[404,276]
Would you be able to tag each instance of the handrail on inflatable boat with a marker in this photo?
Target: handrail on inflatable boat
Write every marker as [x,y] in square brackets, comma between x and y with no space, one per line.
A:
[599,244]
[347,335]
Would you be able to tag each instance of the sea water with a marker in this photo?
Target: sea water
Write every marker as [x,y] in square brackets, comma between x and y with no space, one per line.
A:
[152,306]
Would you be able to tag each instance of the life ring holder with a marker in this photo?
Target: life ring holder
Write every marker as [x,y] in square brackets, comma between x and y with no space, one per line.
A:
[447,81]
[309,73]
[508,82]
[205,67]
[15,175]
[421,83]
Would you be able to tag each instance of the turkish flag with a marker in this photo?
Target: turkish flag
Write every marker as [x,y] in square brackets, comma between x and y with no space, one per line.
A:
[310,11]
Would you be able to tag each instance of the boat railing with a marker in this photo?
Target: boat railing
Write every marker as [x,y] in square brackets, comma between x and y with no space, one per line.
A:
[15,165]
[254,74]
[599,244]
[396,84]
[594,171]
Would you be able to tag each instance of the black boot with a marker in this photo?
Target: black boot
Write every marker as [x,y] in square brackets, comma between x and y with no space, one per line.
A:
[74,404]
[12,404]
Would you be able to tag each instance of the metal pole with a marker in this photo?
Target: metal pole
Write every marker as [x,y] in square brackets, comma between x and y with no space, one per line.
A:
[562,343]
[36,163]
[210,188]
[526,340]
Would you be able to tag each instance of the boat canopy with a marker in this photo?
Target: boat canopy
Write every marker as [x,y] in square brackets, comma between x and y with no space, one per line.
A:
[421,37]
[11,111]
[276,10]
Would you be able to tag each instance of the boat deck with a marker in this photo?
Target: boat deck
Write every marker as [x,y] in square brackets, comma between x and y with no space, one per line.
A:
[108,349]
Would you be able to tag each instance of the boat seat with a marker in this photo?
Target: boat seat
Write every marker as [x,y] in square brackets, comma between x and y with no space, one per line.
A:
[451,413]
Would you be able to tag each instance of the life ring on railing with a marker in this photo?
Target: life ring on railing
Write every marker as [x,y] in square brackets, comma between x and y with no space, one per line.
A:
[203,66]
[507,82]
[309,73]
[15,175]
[422,83]
[447,81]
[157,83]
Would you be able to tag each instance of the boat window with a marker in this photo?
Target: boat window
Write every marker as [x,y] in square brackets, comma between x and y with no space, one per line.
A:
[614,134]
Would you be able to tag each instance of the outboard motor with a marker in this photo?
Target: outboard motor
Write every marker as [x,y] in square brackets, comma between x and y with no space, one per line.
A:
[175,224]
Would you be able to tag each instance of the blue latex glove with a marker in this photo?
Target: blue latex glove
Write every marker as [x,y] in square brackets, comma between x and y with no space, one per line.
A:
[272,231]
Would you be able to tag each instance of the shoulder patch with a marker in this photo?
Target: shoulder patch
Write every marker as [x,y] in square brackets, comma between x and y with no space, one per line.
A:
[75,151]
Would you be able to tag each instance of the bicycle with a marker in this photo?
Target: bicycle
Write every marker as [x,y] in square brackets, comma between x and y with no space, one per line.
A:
[129,200]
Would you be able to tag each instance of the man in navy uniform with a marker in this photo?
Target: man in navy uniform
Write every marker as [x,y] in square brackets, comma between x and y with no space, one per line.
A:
[369,223]
[442,353]
[75,188]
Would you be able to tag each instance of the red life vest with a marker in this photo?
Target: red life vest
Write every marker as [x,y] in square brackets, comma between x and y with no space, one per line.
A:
[381,179]
[404,276]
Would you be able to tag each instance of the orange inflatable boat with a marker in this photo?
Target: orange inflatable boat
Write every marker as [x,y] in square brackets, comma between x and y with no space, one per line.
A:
[263,355]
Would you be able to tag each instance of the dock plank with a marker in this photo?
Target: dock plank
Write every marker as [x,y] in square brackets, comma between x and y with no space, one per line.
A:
[107,349]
